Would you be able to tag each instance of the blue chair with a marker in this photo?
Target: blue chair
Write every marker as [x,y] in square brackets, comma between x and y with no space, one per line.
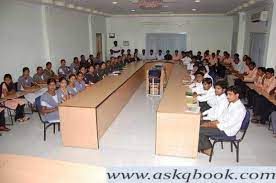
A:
[154,79]
[46,124]
[234,140]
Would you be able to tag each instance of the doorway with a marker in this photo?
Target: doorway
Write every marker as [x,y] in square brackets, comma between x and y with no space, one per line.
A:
[99,44]
[257,48]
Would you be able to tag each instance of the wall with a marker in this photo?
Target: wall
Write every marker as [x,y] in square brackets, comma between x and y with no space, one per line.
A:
[32,34]
[202,32]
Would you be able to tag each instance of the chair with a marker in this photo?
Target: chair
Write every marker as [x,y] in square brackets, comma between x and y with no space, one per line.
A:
[46,124]
[234,140]
[154,81]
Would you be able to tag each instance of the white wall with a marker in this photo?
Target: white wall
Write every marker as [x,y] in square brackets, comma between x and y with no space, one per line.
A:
[32,34]
[202,32]
[21,42]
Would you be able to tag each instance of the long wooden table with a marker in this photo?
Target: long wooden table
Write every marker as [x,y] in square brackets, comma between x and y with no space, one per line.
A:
[86,117]
[177,131]
[25,169]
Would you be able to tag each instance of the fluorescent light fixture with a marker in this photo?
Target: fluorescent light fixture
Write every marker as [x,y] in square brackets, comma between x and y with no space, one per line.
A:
[47,1]
[193,9]
[87,9]
[71,6]
[197,1]
[114,2]
[79,8]
[60,3]
[133,10]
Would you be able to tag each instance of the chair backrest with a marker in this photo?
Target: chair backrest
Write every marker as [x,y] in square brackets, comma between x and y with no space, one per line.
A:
[38,107]
[245,124]
[155,73]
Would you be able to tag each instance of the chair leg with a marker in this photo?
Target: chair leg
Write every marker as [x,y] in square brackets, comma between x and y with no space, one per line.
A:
[237,152]
[58,126]
[54,128]
[10,114]
[44,131]
[221,145]
[231,146]
[212,151]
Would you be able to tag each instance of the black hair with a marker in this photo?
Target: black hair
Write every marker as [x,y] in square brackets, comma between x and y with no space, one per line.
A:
[151,50]
[263,69]
[88,67]
[198,72]
[234,89]
[39,67]
[51,80]
[222,84]
[176,51]
[270,70]
[48,63]
[8,76]
[62,79]
[76,58]
[62,60]
[159,50]
[78,73]
[26,69]
[253,64]
[236,55]
[207,81]
[82,66]
[203,68]
[71,75]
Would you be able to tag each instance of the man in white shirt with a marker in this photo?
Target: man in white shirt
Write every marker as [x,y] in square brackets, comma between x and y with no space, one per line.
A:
[206,97]
[151,55]
[143,55]
[186,60]
[197,86]
[116,49]
[160,55]
[229,123]
[218,104]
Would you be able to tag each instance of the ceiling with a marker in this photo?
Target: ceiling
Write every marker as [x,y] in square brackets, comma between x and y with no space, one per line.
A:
[124,7]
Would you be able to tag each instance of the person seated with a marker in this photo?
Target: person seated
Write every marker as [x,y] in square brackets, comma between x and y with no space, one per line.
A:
[26,83]
[143,55]
[262,106]
[218,56]
[74,67]
[176,56]
[207,96]
[3,121]
[151,55]
[71,88]
[251,74]
[227,124]
[213,59]
[122,52]
[104,72]
[192,73]
[128,52]
[207,55]
[197,86]
[49,103]
[227,60]
[48,72]
[91,59]
[90,77]
[135,57]
[199,56]
[205,63]
[120,63]
[205,72]
[109,67]
[39,77]
[83,70]
[62,92]
[7,88]
[63,70]
[128,59]
[160,55]
[111,53]
[186,60]
[98,59]
[237,68]
[79,83]
[193,62]
[168,56]
[218,104]
[83,61]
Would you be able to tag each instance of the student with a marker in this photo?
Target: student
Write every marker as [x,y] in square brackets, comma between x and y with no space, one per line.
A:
[71,88]
[227,61]
[213,59]
[122,53]
[197,86]
[128,52]
[205,72]
[90,77]
[218,56]
[83,70]
[251,74]
[199,57]
[135,57]
[111,53]
[8,88]
[208,96]
[91,59]
[39,77]
[79,83]
[218,105]
[160,55]
[207,55]
[98,59]
[83,61]
[116,49]
[143,55]
[62,92]
[151,56]
[63,70]
[49,102]
[186,60]
[74,67]
[238,66]
[193,62]
[168,56]
[104,72]
[48,72]
[269,81]
[229,123]
[176,56]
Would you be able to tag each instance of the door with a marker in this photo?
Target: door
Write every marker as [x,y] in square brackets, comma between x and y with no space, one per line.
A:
[257,48]
[99,44]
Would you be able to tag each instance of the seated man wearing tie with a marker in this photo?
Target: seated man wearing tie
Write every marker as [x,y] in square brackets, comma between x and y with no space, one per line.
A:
[228,123]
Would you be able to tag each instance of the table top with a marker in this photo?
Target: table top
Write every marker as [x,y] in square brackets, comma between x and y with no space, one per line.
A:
[174,97]
[261,92]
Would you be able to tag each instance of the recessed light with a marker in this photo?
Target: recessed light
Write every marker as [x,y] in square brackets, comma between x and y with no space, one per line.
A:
[133,10]
[114,2]
[197,1]
[193,9]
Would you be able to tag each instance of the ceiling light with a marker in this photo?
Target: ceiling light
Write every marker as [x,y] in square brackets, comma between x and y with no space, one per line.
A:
[133,10]
[252,2]
[197,1]
[60,3]
[114,2]
[193,9]
[79,8]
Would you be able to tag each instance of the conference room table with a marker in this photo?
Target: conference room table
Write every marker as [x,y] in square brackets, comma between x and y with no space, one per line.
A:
[86,117]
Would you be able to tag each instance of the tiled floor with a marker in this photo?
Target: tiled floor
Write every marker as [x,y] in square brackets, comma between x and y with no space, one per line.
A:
[130,142]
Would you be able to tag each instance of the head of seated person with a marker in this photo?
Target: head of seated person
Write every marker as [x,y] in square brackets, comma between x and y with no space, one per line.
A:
[220,87]
[233,94]
[83,70]
[207,83]
[199,76]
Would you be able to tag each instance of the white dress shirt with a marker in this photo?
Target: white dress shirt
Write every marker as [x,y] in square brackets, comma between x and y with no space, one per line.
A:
[232,117]
[116,48]
[197,88]
[207,96]
[151,57]
[160,57]
[219,105]
[186,60]
[240,67]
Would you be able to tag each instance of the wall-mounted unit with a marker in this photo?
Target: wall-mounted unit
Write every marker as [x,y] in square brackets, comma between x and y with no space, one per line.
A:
[260,17]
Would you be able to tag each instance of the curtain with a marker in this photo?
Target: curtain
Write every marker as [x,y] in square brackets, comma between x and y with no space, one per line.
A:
[257,51]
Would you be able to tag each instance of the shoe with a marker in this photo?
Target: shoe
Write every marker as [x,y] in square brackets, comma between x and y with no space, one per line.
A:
[4,129]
